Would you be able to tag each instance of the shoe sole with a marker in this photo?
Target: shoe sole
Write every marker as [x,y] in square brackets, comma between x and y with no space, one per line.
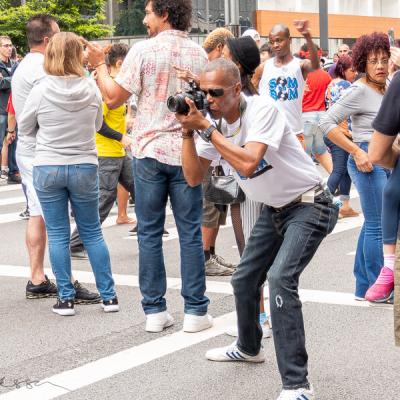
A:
[188,328]
[382,300]
[110,309]
[230,359]
[64,313]
[86,302]
[34,296]
[158,328]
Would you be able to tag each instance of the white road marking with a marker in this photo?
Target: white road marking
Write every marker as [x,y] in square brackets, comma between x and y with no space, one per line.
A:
[12,200]
[117,363]
[9,188]
[220,287]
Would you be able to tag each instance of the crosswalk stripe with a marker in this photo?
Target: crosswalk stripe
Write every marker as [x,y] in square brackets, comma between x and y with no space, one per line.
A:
[219,287]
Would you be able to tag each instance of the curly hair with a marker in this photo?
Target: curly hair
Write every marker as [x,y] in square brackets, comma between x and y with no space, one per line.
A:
[216,37]
[374,43]
[117,51]
[179,12]
[343,64]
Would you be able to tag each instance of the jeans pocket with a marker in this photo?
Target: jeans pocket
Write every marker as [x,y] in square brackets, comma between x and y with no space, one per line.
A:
[44,177]
[87,178]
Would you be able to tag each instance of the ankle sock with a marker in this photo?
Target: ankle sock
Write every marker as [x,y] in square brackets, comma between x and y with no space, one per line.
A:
[212,250]
[207,255]
[389,260]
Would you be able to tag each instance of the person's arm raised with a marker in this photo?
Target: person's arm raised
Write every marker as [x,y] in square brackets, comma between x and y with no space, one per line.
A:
[113,94]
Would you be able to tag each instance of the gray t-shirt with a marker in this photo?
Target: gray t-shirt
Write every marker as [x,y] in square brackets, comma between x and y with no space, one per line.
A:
[29,72]
[361,103]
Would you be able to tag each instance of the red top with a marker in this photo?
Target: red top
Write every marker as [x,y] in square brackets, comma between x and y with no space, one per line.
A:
[10,107]
[314,92]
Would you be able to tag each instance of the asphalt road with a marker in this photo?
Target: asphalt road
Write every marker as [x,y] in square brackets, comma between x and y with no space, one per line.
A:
[97,356]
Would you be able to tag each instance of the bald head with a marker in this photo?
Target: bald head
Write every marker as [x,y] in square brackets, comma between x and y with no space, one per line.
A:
[278,28]
[230,72]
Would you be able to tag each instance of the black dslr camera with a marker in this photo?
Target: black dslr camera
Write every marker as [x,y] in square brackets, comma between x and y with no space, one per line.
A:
[177,103]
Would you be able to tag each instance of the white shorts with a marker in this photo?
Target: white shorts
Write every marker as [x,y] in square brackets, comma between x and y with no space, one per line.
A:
[25,165]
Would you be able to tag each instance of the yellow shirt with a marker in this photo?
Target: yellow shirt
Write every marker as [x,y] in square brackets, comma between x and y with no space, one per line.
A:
[115,119]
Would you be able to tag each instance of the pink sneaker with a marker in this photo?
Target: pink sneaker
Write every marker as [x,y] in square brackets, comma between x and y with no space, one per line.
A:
[382,289]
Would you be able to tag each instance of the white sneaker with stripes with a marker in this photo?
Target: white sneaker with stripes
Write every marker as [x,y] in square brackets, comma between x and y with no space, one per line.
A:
[232,353]
[297,394]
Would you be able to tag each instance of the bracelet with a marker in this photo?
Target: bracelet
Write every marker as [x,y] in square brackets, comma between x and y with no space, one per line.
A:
[10,131]
[99,64]
[188,135]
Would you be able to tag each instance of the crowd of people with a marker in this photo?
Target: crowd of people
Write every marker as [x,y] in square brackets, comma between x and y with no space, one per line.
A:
[263,116]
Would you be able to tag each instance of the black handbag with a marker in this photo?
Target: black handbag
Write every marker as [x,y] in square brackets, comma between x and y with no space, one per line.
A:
[223,189]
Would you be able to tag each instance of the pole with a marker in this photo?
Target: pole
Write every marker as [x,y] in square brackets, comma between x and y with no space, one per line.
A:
[323,25]
[227,13]
[234,23]
[208,15]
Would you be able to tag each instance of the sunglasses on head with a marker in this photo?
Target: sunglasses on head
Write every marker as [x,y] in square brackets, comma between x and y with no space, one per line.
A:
[217,92]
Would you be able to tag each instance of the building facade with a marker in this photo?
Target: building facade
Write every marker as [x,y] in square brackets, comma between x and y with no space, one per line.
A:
[347,19]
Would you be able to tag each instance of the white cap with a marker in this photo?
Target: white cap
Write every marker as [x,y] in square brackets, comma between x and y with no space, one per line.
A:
[252,33]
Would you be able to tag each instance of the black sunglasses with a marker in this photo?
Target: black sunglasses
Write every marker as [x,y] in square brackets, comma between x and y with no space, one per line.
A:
[217,92]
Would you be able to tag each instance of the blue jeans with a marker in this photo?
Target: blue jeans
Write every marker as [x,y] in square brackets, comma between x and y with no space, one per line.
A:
[339,178]
[369,254]
[55,185]
[154,182]
[391,207]
[3,129]
[280,246]
[12,162]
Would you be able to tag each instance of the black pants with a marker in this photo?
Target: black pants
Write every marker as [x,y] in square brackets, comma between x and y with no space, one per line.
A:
[281,245]
[112,170]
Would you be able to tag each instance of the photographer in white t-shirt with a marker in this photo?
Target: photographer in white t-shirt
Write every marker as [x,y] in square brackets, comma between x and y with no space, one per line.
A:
[271,167]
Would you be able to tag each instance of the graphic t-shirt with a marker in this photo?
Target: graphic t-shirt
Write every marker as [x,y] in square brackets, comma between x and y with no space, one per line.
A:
[314,92]
[285,172]
[285,85]
[116,120]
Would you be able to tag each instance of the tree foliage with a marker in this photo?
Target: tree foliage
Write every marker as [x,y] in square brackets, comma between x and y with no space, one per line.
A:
[131,19]
[83,17]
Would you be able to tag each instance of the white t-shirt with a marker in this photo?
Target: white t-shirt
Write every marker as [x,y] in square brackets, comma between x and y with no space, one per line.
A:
[285,172]
[285,85]
[29,72]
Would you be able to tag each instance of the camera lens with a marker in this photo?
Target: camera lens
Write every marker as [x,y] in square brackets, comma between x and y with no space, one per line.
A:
[177,104]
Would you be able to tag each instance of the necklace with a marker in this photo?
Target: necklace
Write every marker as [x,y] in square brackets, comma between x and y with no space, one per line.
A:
[242,109]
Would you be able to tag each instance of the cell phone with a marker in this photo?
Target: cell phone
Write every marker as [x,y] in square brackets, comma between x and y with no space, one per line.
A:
[391,36]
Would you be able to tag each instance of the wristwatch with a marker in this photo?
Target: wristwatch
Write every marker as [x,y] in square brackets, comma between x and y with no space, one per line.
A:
[206,133]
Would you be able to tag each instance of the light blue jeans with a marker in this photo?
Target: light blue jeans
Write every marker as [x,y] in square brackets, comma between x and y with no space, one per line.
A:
[369,254]
[55,185]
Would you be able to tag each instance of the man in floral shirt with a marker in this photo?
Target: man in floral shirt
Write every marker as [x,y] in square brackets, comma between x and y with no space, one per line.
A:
[148,73]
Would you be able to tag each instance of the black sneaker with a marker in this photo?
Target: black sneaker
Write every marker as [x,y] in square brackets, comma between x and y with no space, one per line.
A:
[24,214]
[133,231]
[79,254]
[110,305]
[14,179]
[64,308]
[43,290]
[85,296]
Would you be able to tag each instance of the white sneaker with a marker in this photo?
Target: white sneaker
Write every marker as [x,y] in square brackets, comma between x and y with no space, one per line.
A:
[297,394]
[233,331]
[158,322]
[196,323]
[232,353]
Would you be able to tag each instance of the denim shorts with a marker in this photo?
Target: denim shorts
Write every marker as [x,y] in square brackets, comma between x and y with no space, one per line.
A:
[314,139]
